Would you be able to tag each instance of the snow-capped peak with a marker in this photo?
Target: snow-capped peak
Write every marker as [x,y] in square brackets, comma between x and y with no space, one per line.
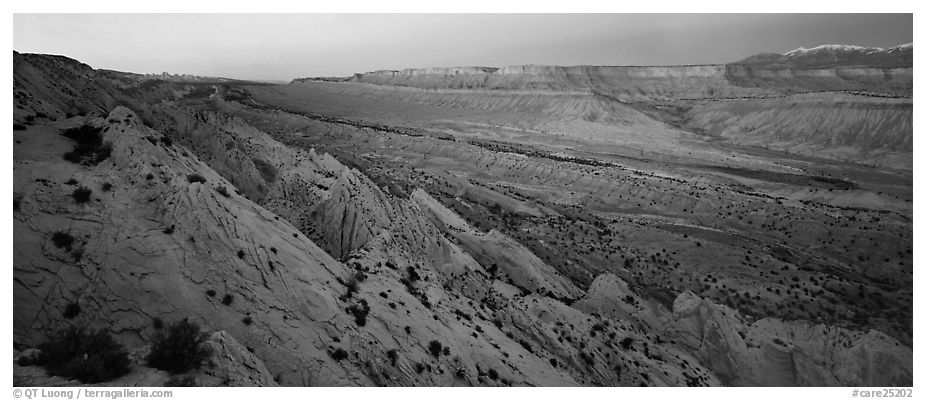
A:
[831,47]
[847,48]
[901,47]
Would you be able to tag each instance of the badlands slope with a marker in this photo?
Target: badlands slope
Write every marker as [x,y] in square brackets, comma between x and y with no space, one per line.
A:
[543,239]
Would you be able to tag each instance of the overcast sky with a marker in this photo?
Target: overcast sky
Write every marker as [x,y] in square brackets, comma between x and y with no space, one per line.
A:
[283,47]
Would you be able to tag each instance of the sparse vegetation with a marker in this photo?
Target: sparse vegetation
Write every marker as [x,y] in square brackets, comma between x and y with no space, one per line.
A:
[339,354]
[82,194]
[178,348]
[90,149]
[63,240]
[435,348]
[71,310]
[195,178]
[351,286]
[360,312]
[627,343]
[87,356]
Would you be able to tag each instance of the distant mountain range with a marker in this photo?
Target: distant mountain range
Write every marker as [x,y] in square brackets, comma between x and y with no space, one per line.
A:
[834,56]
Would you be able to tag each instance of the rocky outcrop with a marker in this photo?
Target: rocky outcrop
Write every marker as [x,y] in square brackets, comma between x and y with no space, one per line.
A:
[231,364]
[498,252]
[157,243]
[772,352]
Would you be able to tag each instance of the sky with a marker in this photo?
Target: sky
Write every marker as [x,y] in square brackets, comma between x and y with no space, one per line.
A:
[288,46]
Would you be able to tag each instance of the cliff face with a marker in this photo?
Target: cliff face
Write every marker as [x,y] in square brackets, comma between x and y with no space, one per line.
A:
[641,83]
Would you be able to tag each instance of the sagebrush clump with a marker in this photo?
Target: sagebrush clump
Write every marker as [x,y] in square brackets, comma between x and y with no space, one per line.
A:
[87,356]
[82,194]
[62,240]
[178,348]
[90,149]
[194,178]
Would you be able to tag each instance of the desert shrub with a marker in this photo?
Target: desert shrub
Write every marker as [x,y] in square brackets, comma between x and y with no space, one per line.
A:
[587,358]
[82,194]
[178,348]
[626,343]
[228,299]
[393,356]
[419,368]
[149,177]
[157,323]
[166,141]
[62,239]
[222,191]
[493,374]
[17,200]
[435,347]
[19,127]
[169,230]
[71,181]
[177,381]
[210,292]
[351,285]
[90,149]
[360,312]
[412,274]
[247,320]
[89,357]
[338,354]
[194,178]
[107,186]
[241,254]
[71,310]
